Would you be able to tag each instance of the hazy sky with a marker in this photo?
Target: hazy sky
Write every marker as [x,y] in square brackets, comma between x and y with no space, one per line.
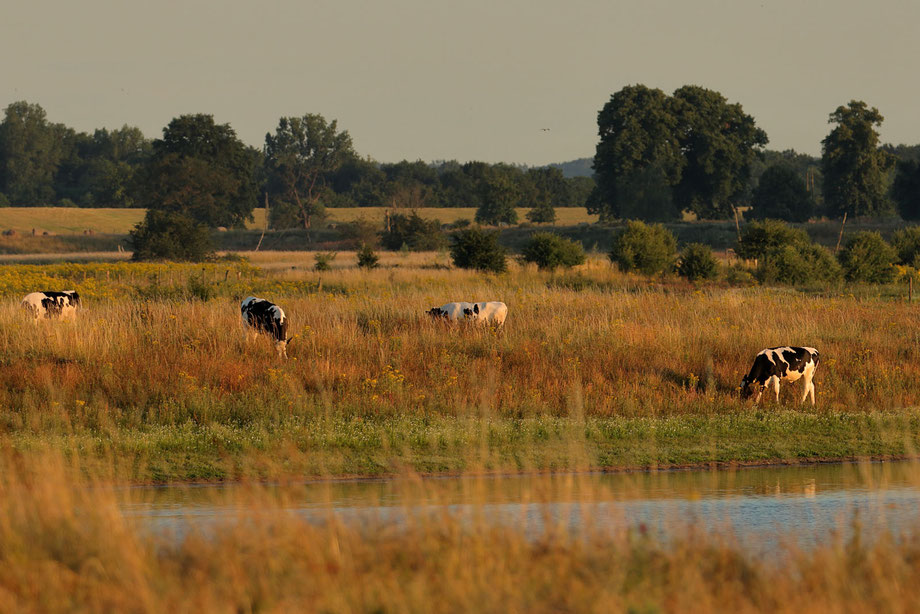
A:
[429,79]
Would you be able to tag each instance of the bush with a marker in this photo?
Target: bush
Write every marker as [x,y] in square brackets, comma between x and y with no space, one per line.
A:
[367,259]
[474,248]
[797,264]
[697,263]
[4,201]
[647,248]
[413,231]
[867,257]
[906,243]
[548,251]
[544,213]
[323,261]
[758,238]
[359,232]
[165,235]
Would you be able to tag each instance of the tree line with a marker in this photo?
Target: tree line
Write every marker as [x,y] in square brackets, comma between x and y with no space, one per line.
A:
[660,156]
[201,166]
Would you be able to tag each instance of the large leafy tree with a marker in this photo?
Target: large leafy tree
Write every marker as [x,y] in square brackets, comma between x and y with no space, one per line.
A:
[301,158]
[855,169]
[31,149]
[638,144]
[99,169]
[201,170]
[720,143]
[781,195]
[906,189]
[499,195]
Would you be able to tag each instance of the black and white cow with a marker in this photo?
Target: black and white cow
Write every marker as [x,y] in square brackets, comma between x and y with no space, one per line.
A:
[51,304]
[262,316]
[773,365]
[451,311]
[492,312]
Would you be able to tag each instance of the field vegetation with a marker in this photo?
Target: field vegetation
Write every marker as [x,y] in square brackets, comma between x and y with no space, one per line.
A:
[156,378]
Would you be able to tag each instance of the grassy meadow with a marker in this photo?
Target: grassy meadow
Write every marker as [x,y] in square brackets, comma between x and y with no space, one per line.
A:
[594,369]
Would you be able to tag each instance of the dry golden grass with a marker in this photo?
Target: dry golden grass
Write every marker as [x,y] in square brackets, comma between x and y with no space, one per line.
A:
[65,546]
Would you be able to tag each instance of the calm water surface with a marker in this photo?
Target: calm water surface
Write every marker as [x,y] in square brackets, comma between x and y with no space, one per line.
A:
[807,503]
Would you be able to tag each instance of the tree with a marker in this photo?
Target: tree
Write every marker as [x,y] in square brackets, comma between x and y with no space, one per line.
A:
[201,170]
[867,257]
[855,169]
[549,251]
[31,149]
[300,159]
[906,189]
[549,188]
[646,248]
[781,195]
[499,197]
[475,248]
[637,131]
[167,235]
[720,143]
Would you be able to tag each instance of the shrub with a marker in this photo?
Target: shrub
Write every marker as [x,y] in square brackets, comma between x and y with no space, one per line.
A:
[475,248]
[359,232]
[413,231]
[906,243]
[323,261]
[697,263]
[4,201]
[798,264]
[548,251]
[867,257]
[758,238]
[166,235]
[647,248]
[544,213]
[367,259]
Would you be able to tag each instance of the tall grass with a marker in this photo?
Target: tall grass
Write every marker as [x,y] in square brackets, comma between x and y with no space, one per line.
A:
[66,545]
[157,368]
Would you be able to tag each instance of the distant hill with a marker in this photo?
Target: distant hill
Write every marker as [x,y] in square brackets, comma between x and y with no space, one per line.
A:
[575,168]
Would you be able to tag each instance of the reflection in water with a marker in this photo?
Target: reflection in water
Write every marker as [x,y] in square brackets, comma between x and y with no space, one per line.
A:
[757,505]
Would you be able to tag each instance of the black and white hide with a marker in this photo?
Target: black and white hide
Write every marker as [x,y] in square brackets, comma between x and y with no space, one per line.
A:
[262,316]
[781,364]
[50,304]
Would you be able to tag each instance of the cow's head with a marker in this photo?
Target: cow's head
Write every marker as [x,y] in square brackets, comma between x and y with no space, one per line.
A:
[281,347]
[748,387]
[436,312]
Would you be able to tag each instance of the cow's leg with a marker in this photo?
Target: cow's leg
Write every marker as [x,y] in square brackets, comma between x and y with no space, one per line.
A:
[776,387]
[759,395]
[809,386]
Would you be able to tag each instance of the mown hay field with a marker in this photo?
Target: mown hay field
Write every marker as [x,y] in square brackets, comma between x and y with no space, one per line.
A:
[72,220]
[593,369]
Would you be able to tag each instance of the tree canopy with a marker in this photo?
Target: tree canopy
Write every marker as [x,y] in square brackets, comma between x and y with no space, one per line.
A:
[658,155]
[781,195]
[855,169]
[300,158]
[200,169]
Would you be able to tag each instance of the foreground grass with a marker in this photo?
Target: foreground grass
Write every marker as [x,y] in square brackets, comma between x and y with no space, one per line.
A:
[66,546]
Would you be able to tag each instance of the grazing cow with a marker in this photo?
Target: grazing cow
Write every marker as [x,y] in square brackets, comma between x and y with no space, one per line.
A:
[50,304]
[450,311]
[781,364]
[493,312]
[261,316]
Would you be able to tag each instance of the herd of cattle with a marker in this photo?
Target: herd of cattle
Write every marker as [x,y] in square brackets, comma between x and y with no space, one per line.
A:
[771,366]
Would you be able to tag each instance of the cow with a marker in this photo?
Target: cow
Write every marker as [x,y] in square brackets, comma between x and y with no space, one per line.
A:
[773,365]
[451,311]
[51,304]
[493,312]
[262,316]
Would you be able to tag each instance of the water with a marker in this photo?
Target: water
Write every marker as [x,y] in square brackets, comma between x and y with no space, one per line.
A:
[762,506]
